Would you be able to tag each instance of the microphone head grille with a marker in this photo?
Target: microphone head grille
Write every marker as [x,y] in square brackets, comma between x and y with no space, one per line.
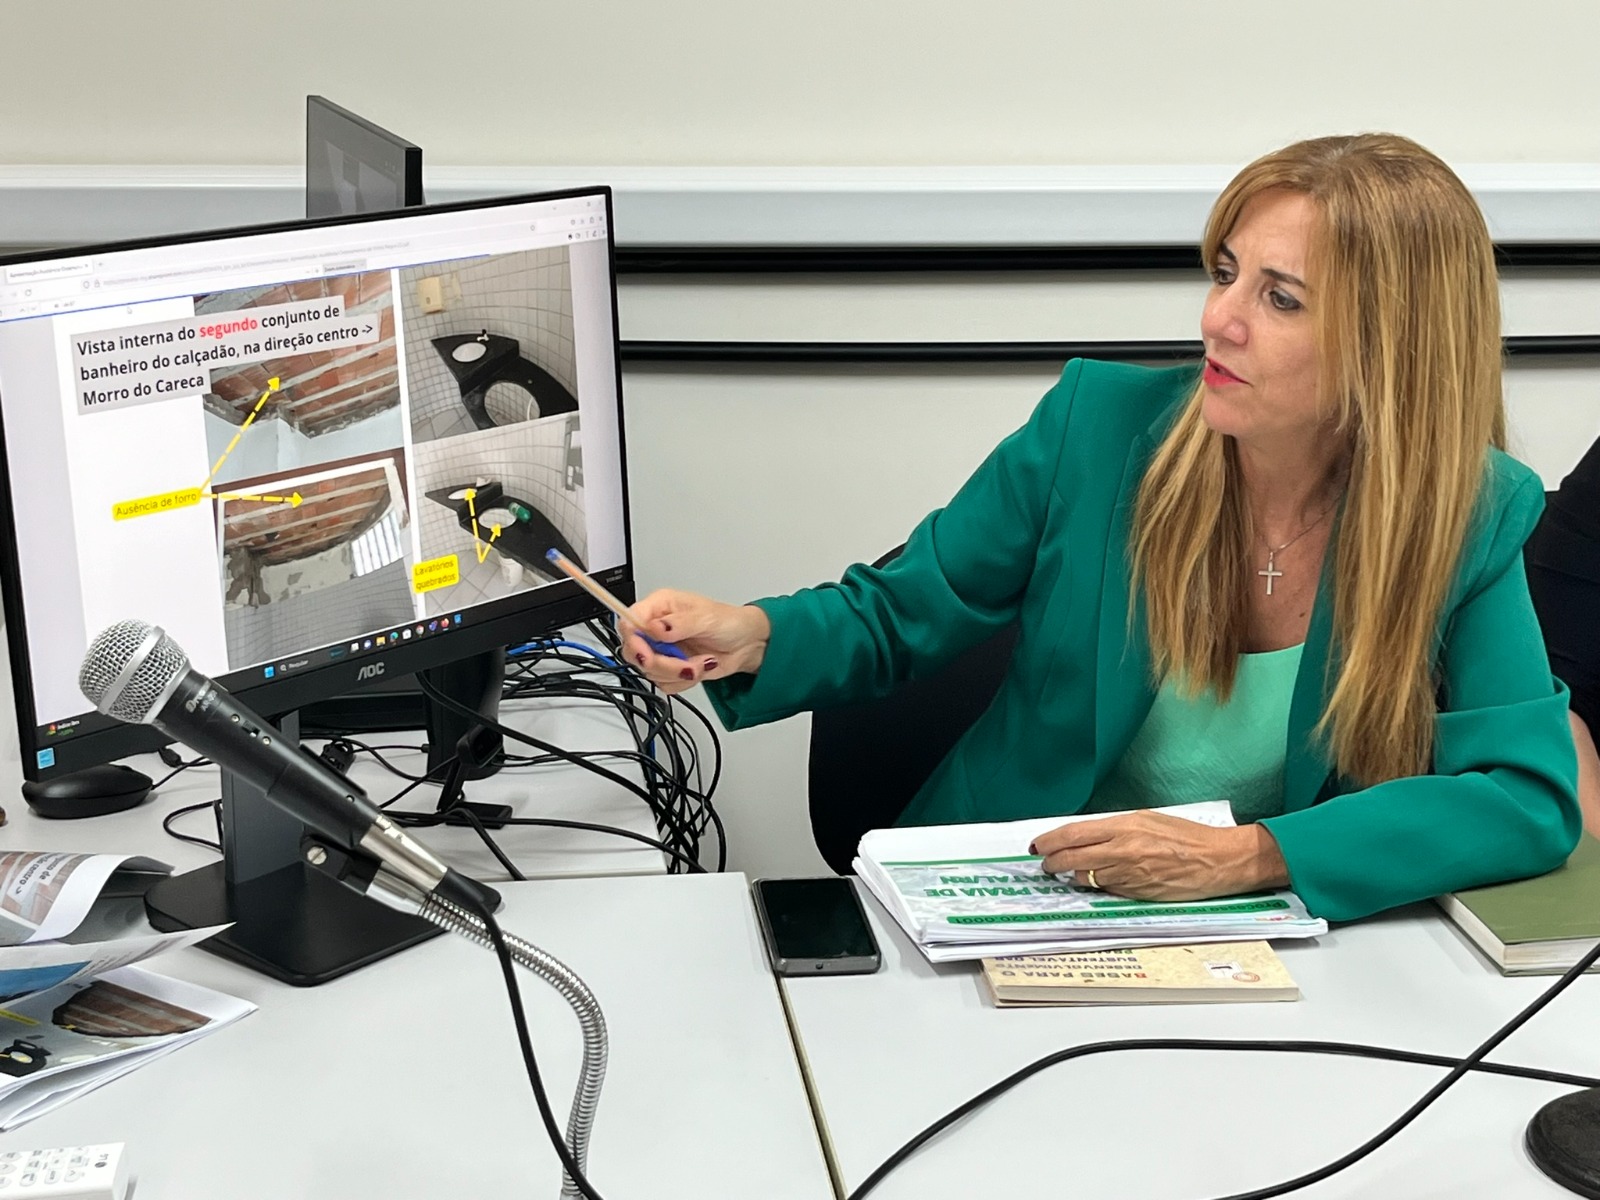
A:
[130,670]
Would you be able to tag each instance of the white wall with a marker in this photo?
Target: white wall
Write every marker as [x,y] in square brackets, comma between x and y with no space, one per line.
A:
[828,81]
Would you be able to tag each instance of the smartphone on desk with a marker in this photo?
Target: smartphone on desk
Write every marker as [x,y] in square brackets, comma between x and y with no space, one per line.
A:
[815,927]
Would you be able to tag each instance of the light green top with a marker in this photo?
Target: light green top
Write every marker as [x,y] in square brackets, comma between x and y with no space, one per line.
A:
[1190,750]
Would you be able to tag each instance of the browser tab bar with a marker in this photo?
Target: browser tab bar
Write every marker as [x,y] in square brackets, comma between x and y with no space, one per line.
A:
[45,272]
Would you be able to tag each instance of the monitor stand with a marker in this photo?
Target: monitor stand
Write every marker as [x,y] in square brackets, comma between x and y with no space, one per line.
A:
[475,681]
[289,921]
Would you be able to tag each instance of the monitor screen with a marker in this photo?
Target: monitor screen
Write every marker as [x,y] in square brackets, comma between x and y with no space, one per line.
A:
[354,166]
[316,454]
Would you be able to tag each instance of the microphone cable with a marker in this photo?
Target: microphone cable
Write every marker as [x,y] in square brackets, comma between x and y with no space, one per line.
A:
[179,765]
[1459,1067]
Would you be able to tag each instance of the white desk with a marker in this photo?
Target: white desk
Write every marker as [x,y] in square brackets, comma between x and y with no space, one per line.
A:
[563,792]
[404,1080]
[890,1053]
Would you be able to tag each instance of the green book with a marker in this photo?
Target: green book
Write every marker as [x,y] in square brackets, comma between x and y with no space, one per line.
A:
[1538,926]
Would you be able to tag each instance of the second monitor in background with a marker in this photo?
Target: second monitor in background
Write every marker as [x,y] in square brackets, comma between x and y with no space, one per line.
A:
[355,166]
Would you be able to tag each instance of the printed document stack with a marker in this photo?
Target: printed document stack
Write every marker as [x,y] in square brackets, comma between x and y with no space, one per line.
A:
[974,891]
[74,1012]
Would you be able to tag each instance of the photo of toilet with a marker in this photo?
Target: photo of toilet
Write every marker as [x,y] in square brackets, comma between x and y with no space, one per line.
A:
[314,558]
[498,500]
[328,405]
[488,342]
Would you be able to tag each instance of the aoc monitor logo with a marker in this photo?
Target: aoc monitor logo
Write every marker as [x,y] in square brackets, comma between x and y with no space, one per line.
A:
[370,671]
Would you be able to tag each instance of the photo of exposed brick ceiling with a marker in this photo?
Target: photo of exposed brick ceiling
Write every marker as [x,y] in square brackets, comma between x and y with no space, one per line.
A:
[313,557]
[323,390]
[330,513]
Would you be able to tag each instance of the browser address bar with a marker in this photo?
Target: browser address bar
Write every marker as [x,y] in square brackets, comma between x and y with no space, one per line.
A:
[246,264]
[458,245]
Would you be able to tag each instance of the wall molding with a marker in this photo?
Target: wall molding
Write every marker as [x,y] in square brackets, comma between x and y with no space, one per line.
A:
[769,207]
[661,353]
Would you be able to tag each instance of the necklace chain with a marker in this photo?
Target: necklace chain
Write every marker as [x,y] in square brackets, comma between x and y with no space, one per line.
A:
[1273,551]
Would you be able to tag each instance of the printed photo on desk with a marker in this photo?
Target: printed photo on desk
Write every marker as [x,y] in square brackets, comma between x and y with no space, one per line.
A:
[77,1036]
[76,916]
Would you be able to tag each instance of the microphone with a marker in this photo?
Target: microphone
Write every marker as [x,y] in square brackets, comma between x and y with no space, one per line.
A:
[135,673]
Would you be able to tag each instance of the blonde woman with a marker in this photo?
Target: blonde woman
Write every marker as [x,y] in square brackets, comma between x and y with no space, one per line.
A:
[1291,579]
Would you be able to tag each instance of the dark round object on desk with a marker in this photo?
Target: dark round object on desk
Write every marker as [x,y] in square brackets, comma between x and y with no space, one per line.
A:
[93,792]
[1564,1141]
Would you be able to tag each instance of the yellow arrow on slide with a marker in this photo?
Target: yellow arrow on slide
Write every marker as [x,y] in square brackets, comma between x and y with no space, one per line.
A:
[472,509]
[482,547]
[272,386]
[293,499]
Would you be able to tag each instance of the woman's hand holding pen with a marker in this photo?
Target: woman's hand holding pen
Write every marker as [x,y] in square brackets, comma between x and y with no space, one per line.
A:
[717,639]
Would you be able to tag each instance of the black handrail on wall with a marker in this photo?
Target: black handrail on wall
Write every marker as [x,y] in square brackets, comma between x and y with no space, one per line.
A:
[830,260]
[840,353]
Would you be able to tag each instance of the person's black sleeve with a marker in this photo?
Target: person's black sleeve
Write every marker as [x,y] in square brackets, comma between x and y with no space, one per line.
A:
[1563,560]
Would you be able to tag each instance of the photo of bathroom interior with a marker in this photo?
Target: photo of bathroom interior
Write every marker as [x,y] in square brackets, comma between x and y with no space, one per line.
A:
[489,342]
[312,559]
[499,499]
[330,405]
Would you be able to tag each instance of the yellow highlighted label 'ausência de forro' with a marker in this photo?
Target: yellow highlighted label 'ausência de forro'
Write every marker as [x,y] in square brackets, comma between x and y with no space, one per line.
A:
[145,505]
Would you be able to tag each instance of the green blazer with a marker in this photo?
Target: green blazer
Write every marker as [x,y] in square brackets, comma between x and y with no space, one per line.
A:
[1040,534]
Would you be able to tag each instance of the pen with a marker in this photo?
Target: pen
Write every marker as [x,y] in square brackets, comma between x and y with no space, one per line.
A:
[599,593]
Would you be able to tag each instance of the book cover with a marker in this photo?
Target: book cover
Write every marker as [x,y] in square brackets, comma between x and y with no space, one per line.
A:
[1545,923]
[1219,971]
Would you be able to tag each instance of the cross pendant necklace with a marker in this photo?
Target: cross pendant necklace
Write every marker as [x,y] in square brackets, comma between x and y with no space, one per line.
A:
[1269,572]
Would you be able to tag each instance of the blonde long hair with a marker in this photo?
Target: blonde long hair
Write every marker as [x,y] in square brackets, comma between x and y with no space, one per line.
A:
[1406,307]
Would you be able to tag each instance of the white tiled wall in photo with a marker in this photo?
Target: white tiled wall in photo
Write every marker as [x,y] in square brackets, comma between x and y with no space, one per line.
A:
[528,461]
[527,296]
[276,630]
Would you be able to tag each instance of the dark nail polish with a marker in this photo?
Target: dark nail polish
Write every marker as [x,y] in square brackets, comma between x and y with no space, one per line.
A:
[640,657]
[667,625]
[1032,849]
[711,664]
[686,673]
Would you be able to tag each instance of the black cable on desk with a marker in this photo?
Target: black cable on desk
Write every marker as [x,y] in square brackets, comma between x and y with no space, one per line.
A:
[1459,1068]
[376,753]
[216,811]
[675,810]
[438,769]
[423,820]
[176,761]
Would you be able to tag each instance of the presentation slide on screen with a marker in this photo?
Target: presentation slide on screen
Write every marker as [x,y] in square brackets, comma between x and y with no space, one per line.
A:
[286,473]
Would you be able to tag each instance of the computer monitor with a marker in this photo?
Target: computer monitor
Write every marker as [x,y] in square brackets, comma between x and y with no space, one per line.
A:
[316,454]
[355,166]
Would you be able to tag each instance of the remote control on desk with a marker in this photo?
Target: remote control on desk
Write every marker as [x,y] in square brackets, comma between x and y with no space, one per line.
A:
[64,1173]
